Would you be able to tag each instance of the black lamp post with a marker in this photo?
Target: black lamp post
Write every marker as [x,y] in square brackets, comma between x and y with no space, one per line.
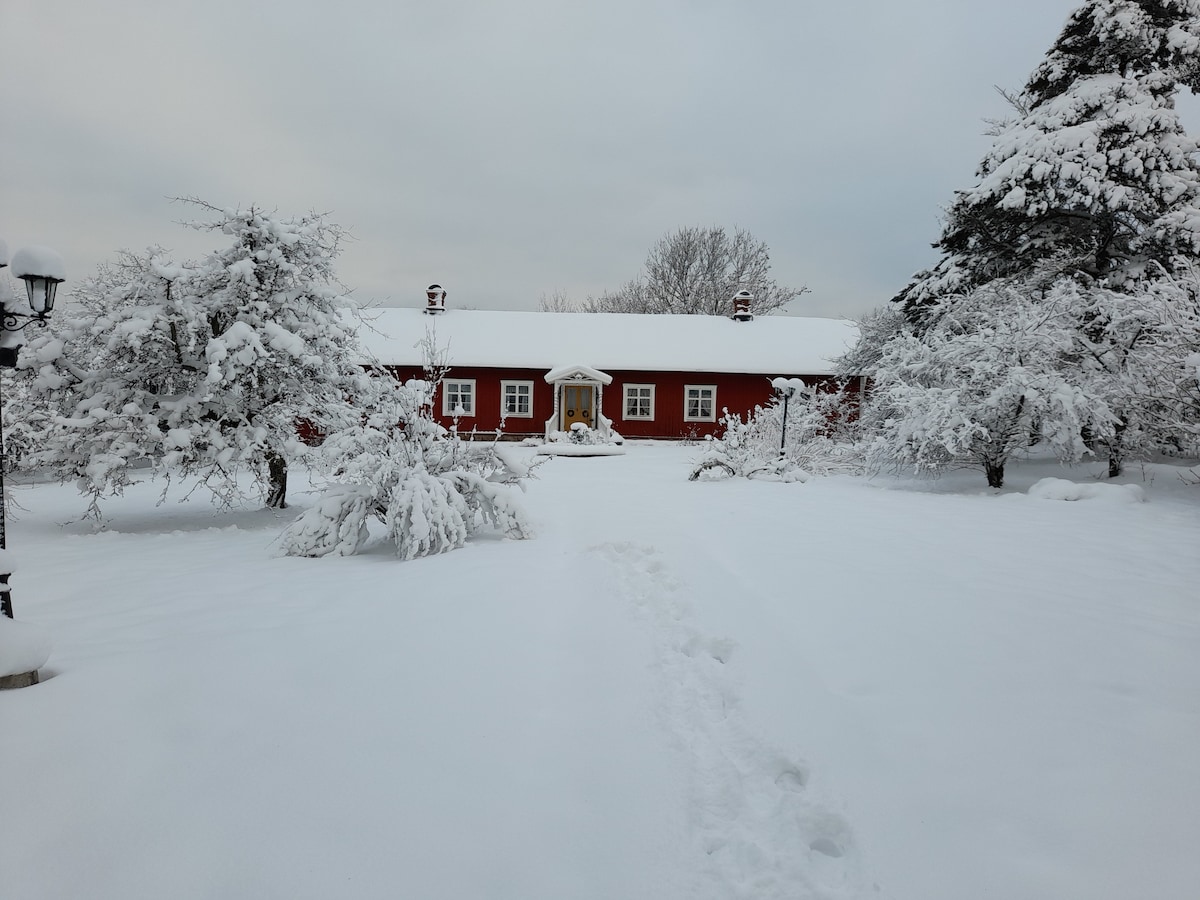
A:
[786,391]
[42,270]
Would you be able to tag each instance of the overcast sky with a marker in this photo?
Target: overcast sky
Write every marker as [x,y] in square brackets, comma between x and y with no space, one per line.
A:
[511,149]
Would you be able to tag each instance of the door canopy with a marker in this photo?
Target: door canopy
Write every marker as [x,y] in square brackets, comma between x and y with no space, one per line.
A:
[584,374]
[578,400]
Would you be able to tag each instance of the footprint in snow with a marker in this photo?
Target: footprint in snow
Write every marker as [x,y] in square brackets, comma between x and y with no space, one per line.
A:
[760,829]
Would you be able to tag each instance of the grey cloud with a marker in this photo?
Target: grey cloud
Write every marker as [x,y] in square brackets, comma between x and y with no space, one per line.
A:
[509,150]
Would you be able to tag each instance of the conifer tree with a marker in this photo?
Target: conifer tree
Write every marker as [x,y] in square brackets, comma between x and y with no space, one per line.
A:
[1095,178]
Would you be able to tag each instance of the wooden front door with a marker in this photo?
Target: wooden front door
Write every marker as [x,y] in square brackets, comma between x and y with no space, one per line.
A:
[578,402]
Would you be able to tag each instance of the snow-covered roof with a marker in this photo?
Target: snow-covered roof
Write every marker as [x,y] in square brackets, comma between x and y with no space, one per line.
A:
[767,345]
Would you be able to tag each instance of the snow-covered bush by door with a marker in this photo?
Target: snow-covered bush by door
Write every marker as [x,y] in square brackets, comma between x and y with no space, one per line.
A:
[580,434]
[430,489]
[200,369]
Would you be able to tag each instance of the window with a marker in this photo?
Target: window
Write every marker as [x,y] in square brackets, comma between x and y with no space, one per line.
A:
[458,398]
[700,403]
[639,401]
[516,398]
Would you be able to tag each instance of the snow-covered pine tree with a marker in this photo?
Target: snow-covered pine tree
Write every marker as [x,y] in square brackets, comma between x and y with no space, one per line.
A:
[205,368]
[1095,178]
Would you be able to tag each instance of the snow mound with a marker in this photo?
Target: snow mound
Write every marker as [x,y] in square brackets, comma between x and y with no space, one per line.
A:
[1061,489]
[580,450]
[23,647]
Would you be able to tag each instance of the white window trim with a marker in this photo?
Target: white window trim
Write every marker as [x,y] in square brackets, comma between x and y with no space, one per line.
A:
[447,410]
[504,386]
[687,389]
[625,403]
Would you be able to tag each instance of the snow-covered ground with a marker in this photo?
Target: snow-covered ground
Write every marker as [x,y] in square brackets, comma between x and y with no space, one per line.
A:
[907,690]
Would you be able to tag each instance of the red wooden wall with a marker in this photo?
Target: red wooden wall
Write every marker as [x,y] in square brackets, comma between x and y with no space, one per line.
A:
[736,392]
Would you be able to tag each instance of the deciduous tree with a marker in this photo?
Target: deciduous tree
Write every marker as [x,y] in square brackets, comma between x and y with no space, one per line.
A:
[202,370]
[696,271]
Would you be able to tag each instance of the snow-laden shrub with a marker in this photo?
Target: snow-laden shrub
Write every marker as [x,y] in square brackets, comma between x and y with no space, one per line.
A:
[336,525]
[426,515]
[803,432]
[430,489]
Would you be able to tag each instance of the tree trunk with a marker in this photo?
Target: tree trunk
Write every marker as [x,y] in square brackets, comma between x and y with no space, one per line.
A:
[995,473]
[1114,466]
[277,488]
[1116,449]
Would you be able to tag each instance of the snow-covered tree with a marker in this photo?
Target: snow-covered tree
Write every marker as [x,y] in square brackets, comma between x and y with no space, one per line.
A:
[430,489]
[1087,206]
[993,375]
[696,271]
[202,369]
[1095,177]
[1132,352]
[875,329]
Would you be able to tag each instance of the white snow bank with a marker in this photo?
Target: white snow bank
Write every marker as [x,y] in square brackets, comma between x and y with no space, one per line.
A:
[39,261]
[1061,489]
[23,647]
[581,450]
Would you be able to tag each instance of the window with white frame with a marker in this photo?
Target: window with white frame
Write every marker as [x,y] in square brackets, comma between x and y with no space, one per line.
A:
[516,398]
[700,403]
[458,397]
[639,401]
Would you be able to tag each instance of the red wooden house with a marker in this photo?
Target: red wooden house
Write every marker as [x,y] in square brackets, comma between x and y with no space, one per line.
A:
[640,376]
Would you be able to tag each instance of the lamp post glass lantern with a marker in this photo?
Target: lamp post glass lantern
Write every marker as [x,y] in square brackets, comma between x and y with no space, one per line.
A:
[42,271]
